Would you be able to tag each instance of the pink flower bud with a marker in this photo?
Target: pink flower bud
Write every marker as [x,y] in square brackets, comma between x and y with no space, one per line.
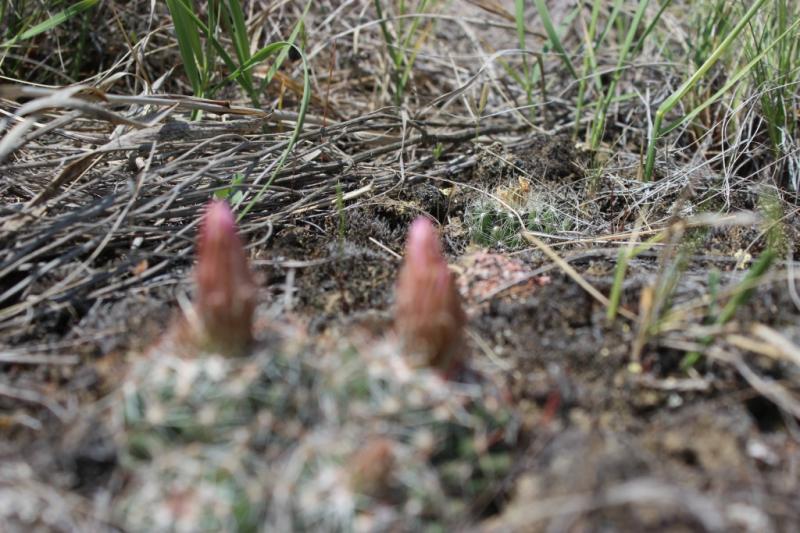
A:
[429,318]
[226,291]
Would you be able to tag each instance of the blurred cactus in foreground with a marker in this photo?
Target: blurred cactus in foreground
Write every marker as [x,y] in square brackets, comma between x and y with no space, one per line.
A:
[226,292]
[429,318]
[315,429]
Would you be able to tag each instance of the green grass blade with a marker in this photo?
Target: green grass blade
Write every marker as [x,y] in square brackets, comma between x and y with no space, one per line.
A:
[612,18]
[258,57]
[301,115]
[52,22]
[239,34]
[638,46]
[616,289]
[730,83]
[675,97]
[519,16]
[600,117]
[391,45]
[208,58]
[716,54]
[525,81]
[188,45]
[411,58]
[409,53]
[743,292]
[552,34]
[189,19]
[414,25]
[187,11]
[241,45]
[623,259]
[284,53]
[589,63]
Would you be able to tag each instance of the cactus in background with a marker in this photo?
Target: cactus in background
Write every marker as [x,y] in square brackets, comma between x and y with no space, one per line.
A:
[226,292]
[429,318]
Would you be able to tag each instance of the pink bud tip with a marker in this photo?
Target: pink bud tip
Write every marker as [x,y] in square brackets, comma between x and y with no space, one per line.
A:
[225,300]
[429,317]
